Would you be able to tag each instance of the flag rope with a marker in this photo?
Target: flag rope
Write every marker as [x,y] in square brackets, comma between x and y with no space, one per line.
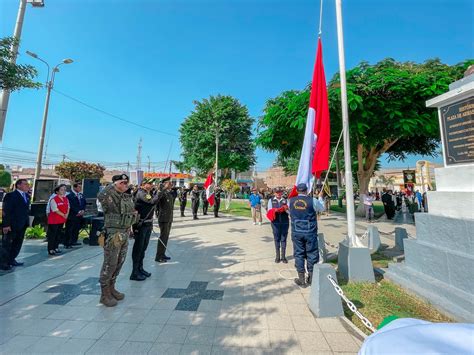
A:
[332,159]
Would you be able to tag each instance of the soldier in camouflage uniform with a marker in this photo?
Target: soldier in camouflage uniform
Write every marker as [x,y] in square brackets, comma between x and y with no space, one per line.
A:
[119,215]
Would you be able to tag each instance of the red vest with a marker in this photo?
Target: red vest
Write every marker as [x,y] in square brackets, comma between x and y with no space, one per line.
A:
[63,206]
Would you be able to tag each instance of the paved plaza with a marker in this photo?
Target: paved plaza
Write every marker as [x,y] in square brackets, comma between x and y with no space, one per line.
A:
[221,293]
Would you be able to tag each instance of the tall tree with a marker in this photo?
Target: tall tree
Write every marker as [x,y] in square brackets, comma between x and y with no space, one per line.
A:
[79,170]
[387,113]
[14,76]
[227,117]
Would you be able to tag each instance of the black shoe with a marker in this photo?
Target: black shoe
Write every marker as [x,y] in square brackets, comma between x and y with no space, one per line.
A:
[284,260]
[205,214]
[166,257]
[300,281]
[16,263]
[6,267]
[309,279]
[182,215]
[137,276]
[76,244]
[144,272]
[161,260]
[57,251]
[216,216]
[51,252]
[195,218]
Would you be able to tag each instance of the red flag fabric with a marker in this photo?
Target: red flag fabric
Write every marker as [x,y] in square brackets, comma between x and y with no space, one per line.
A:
[209,187]
[315,152]
[322,126]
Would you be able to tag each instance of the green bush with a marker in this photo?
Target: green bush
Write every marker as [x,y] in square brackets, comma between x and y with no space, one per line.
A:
[35,232]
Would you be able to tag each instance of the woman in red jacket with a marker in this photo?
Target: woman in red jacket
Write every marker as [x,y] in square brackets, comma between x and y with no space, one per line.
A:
[59,209]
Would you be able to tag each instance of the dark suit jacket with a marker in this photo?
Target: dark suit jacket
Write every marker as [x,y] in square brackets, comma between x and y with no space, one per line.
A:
[15,211]
[75,205]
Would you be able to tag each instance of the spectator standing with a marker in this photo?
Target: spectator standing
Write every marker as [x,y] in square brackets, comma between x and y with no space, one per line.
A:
[368,200]
[15,220]
[77,206]
[255,201]
[59,210]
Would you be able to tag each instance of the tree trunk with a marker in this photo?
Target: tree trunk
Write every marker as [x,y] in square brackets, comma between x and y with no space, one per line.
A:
[363,187]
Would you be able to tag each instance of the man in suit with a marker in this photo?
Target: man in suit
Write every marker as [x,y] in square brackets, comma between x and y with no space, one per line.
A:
[77,205]
[165,218]
[15,220]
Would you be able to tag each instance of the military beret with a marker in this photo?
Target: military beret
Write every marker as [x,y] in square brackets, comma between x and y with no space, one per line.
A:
[120,177]
[301,187]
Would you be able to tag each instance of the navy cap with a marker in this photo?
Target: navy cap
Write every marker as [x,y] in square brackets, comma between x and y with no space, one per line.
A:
[120,177]
[301,187]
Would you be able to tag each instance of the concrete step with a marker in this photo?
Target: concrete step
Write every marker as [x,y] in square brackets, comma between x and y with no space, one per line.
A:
[450,300]
[445,232]
[448,266]
[456,204]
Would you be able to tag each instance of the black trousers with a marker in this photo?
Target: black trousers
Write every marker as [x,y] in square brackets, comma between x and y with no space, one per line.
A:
[142,238]
[182,206]
[217,204]
[54,235]
[73,226]
[205,207]
[165,228]
[195,207]
[11,245]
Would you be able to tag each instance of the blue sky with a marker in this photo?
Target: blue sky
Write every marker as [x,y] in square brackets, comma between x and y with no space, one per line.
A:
[147,60]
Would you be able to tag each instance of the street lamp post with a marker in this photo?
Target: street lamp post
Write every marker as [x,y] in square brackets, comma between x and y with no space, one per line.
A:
[49,86]
[5,95]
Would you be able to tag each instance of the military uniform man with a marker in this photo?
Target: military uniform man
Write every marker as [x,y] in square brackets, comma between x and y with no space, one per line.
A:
[304,232]
[195,201]
[165,218]
[119,216]
[217,201]
[205,202]
[183,199]
[145,204]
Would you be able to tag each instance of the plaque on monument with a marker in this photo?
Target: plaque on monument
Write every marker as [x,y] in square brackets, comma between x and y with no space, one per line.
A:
[457,127]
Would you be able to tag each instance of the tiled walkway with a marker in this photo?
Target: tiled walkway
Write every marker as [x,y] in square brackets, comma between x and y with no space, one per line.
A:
[221,294]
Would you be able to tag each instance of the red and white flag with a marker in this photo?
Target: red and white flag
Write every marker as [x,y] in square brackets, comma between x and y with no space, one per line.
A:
[209,186]
[315,153]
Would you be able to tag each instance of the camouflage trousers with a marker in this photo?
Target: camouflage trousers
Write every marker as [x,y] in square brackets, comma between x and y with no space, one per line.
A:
[115,252]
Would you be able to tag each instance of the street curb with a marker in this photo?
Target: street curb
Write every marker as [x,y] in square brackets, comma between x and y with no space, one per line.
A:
[351,327]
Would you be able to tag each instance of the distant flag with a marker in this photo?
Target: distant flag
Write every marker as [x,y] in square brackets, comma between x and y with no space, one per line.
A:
[209,187]
[315,152]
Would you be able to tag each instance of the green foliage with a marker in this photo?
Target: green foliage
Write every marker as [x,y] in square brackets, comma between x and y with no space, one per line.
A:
[35,232]
[5,178]
[230,186]
[14,76]
[198,132]
[387,107]
[79,170]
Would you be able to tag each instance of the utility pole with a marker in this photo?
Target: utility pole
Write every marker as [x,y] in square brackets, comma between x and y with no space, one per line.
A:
[5,95]
[128,167]
[139,155]
[149,164]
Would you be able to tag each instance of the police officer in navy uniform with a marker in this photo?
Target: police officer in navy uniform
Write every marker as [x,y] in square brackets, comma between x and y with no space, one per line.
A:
[280,224]
[217,201]
[304,232]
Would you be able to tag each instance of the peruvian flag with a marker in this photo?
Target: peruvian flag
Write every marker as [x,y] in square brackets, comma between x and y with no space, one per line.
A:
[315,153]
[209,186]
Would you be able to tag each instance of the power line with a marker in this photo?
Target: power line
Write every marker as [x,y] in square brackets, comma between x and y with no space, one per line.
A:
[114,116]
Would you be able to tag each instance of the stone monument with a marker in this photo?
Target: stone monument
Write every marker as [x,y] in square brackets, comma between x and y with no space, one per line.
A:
[439,263]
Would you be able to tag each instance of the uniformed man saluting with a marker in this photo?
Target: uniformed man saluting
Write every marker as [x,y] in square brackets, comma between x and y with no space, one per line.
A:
[304,232]
[165,218]
[145,204]
[183,199]
[119,215]
[195,201]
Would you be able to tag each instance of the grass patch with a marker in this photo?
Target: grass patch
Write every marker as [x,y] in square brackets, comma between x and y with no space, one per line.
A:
[378,208]
[384,298]
[237,208]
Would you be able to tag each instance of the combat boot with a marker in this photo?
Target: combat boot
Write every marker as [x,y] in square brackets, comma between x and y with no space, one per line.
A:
[309,279]
[143,271]
[137,276]
[283,256]
[277,258]
[116,294]
[300,281]
[106,298]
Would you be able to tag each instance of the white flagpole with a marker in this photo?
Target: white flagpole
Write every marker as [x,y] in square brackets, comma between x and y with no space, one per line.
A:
[351,232]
